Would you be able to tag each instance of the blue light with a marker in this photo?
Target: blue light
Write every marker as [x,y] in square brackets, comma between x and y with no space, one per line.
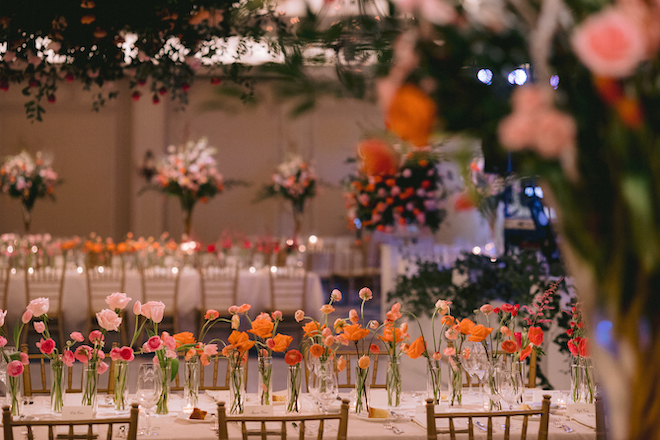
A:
[539,192]
[357,223]
[554,81]
[529,191]
[485,76]
[603,333]
[518,77]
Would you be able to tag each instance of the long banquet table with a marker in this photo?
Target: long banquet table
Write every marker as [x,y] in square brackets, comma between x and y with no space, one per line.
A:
[176,426]
[253,288]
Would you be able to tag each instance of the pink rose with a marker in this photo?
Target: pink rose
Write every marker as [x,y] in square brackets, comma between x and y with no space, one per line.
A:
[77,336]
[365,294]
[117,300]
[15,368]
[300,315]
[39,306]
[211,349]
[3,315]
[153,310]
[95,335]
[83,353]
[486,309]
[27,316]
[610,43]
[24,358]
[336,295]
[115,354]
[47,346]
[3,341]
[153,343]
[39,327]
[277,315]
[68,358]
[168,341]
[101,368]
[109,320]
[137,308]
[127,353]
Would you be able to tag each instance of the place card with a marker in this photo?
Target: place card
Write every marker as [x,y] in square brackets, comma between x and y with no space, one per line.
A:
[573,409]
[258,410]
[77,413]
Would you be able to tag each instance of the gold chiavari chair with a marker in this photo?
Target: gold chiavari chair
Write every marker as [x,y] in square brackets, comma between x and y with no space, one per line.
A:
[264,431]
[218,288]
[162,284]
[432,431]
[101,282]
[48,283]
[32,425]
[288,290]
[216,383]
[4,282]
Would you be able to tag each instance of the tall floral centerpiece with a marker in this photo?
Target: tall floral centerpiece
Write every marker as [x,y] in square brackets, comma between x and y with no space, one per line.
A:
[28,179]
[190,174]
[294,181]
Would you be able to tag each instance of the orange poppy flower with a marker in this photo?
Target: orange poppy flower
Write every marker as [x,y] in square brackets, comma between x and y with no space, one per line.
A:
[316,350]
[281,342]
[465,326]
[526,352]
[509,346]
[240,341]
[184,338]
[411,115]
[355,332]
[447,320]
[535,335]
[293,357]
[417,348]
[312,328]
[387,335]
[262,327]
[479,333]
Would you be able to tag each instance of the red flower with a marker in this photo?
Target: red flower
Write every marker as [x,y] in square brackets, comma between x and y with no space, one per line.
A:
[573,346]
[526,352]
[293,357]
[509,346]
[374,348]
[583,348]
[535,336]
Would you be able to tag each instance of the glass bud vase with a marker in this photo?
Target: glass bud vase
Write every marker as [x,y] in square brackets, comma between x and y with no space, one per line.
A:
[456,384]
[293,385]
[90,386]
[237,388]
[120,378]
[57,387]
[434,381]
[15,394]
[191,375]
[575,396]
[393,383]
[265,389]
[162,407]
[362,386]
[587,382]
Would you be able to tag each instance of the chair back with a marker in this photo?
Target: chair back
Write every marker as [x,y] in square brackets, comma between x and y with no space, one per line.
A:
[288,289]
[33,425]
[46,282]
[4,286]
[218,287]
[267,426]
[162,284]
[101,282]
[219,379]
[432,416]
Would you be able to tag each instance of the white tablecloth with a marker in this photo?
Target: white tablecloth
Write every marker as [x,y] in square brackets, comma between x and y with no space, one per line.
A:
[174,426]
[253,288]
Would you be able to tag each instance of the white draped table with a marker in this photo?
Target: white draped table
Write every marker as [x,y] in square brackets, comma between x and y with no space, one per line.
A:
[174,426]
[253,288]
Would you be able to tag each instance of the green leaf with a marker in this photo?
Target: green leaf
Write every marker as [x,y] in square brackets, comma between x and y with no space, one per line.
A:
[174,368]
[637,193]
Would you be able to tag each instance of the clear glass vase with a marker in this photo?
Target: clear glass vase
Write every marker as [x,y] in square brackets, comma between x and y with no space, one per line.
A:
[162,407]
[588,380]
[434,381]
[265,389]
[575,380]
[362,387]
[293,385]
[90,386]
[237,388]
[456,384]
[120,379]
[393,383]
[57,387]
[15,395]
[191,375]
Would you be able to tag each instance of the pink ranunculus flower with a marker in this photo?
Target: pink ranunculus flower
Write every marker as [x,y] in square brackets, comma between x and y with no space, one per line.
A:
[264,315]
[95,335]
[329,341]
[115,353]
[39,306]
[326,332]
[300,315]
[153,343]
[39,326]
[211,349]
[3,341]
[233,310]
[68,358]
[15,368]
[109,320]
[27,316]
[117,300]
[277,315]
[270,343]
[137,308]
[102,367]
[610,43]
[452,334]
[83,353]
[336,295]
[25,359]
[373,324]
[353,316]
[46,346]
[169,341]
[3,315]
[244,308]
[77,336]
[365,294]
[126,353]
[486,309]
[153,310]
[555,133]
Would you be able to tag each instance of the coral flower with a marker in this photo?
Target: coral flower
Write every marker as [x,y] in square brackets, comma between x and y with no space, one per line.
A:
[387,335]
[239,341]
[355,332]
[479,333]
[262,328]
[316,350]
[282,342]
[509,346]
[293,357]
[312,328]
[465,326]
[327,309]
[526,352]
[535,336]
[184,338]
[411,115]
[211,314]
[417,348]
[378,158]
[364,362]
[341,364]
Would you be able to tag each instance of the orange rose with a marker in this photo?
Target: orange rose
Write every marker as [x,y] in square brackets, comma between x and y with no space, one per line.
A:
[293,357]
[417,348]
[355,332]
[411,115]
[312,328]
[262,328]
[465,326]
[479,333]
[281,342]
[184,338]
[509,346]
[378,158]
[316,350]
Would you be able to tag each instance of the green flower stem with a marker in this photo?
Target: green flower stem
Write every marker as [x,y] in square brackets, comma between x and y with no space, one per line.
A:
[120,378]
[293,389]
[393,383]
[57,391]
